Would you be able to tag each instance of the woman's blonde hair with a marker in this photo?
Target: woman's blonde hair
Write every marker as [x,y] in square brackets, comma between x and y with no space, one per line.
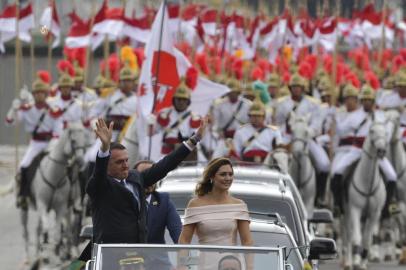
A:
[205,185]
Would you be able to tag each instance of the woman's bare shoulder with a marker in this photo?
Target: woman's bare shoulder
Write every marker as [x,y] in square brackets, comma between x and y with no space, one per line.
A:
[234,200]
[196,202]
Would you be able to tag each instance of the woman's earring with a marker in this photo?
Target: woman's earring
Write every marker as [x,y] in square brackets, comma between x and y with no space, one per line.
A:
[211,181]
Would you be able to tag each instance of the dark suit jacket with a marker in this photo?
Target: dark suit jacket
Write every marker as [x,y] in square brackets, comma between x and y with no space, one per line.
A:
[162,214]
[115,213]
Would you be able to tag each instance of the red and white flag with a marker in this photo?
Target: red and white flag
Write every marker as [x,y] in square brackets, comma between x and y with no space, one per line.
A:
[109,21]
[159,73]
[50,20]
[8,24]
[137,29]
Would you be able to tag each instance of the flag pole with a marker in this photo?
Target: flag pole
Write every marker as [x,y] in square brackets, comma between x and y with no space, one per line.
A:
[88,52]
[383,37]
[17,81]
[155,83]
[32,58]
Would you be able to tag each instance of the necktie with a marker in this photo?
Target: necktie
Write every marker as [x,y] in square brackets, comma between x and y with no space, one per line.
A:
[132,190]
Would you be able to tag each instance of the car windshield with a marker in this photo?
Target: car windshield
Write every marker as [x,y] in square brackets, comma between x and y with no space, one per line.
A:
[256,204]
[161,257]
[274,239]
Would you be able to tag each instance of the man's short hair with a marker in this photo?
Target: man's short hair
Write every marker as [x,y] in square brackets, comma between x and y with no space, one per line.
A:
[146,161]
[116,146]
[229,257]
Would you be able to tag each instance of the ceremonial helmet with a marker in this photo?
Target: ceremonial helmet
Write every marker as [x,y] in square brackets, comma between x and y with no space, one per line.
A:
[234,85]
[98,82]
[65,80]
[257,109]
[367,92]
[42,81]
[249,91]
[126,73]
[182,91]
[400,80]
[297,80]
[350,91]
[274,80]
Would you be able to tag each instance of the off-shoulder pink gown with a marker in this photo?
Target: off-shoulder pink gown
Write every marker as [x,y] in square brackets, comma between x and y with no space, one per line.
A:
[216,225]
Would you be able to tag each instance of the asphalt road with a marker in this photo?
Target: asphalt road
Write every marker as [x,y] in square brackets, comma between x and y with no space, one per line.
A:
[12,245]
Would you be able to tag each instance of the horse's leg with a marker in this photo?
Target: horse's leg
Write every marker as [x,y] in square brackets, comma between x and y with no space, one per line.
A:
[345,222]
[375,250]
[355,221]
[370,225]
[26,236]
[402,258]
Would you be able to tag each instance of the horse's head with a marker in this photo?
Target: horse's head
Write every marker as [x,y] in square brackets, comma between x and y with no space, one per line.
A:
[76,142]
[378,138]
[301,132]
[393,121]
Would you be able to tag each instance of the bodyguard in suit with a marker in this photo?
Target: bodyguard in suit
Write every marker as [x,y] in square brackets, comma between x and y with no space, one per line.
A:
[161,212]
[117,193]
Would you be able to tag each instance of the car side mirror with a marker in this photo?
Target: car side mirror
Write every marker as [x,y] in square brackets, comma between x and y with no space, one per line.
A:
[321,216]
[86,232]
[322,249]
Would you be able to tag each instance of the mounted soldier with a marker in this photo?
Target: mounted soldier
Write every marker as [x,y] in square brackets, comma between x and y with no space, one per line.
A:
[41,122]
[254,141]
[303,104]
[118,107]
[177,122]
[352,128]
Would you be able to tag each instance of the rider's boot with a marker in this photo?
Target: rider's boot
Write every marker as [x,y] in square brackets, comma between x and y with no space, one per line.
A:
[24,189]
[337,189]
[321,182]
[391,204]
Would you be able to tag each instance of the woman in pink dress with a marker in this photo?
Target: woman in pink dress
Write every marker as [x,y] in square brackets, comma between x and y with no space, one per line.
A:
[214,215]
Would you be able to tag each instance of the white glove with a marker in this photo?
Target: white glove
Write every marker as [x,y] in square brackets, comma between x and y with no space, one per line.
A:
[16,104]
[151,119]
[323,139]
[311,132]
[25,94]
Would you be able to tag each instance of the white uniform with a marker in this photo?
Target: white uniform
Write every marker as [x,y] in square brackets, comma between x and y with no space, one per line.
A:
[327,114]
[225,111]
[87,98]
[50,126]
[69,109]
[117,107]
[392,100]
[176,127]
[257,148]
[307,105]
[352,129]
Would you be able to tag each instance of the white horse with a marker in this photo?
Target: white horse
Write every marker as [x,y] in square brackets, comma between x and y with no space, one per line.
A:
[51,190]
[301,167]
[131,141]
[366,198]
[397,156]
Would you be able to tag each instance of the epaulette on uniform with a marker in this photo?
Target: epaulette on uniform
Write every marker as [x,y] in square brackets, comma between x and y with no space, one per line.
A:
[313,99]
[274,128]
[281,99]
[90,90]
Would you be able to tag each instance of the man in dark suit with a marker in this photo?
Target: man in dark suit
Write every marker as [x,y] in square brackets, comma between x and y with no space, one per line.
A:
[117,193]
[161,211]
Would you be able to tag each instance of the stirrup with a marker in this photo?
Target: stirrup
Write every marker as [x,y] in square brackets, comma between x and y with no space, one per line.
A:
[393,209]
